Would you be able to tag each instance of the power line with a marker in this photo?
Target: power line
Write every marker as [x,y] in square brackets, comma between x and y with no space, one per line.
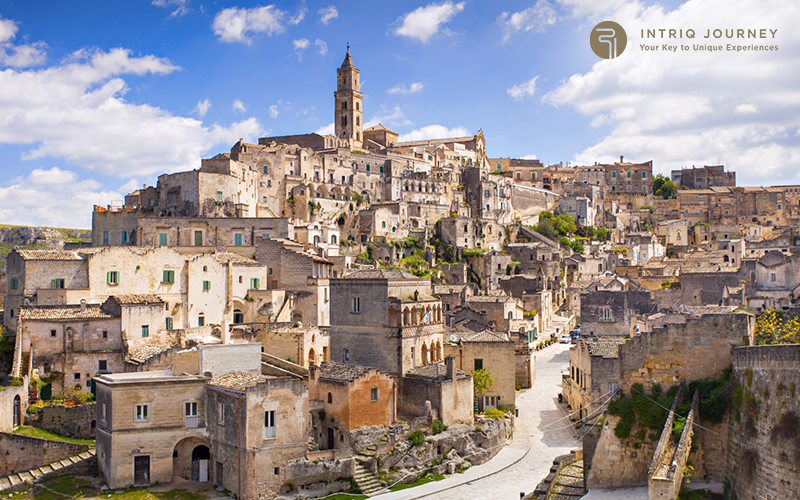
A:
[574,412]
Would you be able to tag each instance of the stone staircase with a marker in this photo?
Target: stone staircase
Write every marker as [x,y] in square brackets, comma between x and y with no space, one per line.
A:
[17,481]
[366,480]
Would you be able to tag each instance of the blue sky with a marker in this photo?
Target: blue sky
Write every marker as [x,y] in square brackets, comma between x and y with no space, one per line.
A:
[98,98]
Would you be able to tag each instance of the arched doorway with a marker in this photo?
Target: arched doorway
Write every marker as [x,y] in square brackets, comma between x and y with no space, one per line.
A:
[201,460]
[238,316]
[191,459]
[312,357]
[17,411]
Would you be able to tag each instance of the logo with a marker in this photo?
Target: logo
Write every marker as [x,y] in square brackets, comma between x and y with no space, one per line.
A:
[608,40]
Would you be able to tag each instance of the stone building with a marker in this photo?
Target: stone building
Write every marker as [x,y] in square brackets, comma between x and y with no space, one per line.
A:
[354,395]
[490,351]
[441,388]
[613,313]
[619,176]
[704,177]
[385,319]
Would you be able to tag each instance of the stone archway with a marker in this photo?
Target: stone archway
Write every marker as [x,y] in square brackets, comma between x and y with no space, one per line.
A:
[191,459]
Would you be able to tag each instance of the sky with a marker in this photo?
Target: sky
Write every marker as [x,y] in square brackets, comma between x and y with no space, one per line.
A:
[98,98]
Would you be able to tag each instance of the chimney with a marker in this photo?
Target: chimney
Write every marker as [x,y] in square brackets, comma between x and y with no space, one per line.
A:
[620,158]
[450,363]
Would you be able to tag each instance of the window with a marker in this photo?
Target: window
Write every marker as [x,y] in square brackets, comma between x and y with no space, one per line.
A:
[76,376]
[383,224]
[237,239]
[219,196]
[123,237]
[373,393]
[330,398]
[104,412]
[105,237]
[356,305]
[487,193]
[57,283]
[105,334]
[265,170]
[478,364]
[265,235]
[169,324]
[52,333]
[201,320]
[190,414]
[644,175]
[168,276]
[141,413]
[381,170]
[613,174]
[605,314]
[254,283]
[772,277]
[368,169]
[198,238]
[102,365]
[162,239]
[629,175]
[145,330]
[14,283]
[220,414]
[347,355]
[206,286]
[269,424]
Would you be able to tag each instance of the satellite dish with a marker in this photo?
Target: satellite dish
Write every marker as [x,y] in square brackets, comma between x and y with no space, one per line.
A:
[453,337]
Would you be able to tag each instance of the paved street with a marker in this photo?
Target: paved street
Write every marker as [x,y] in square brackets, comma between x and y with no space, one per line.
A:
[526,461]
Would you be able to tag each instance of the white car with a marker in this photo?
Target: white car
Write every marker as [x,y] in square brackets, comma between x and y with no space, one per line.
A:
[565,339]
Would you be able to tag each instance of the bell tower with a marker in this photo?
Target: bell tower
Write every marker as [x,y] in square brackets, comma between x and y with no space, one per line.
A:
[348,120]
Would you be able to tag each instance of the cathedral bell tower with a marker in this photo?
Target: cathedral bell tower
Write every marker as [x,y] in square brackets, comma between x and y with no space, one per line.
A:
[348,119]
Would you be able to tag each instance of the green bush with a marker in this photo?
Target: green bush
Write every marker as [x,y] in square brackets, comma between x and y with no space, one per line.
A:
[438,427]
[494,413]
[416,438]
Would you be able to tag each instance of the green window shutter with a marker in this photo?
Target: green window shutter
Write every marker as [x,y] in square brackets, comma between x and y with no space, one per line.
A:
[162,239]
[206,286]
[219,196]
[201,321]
[169,323]
[478,364]
[145,330]
[14,283]
[254,283]
[53,284]
[169,276]
[237,239]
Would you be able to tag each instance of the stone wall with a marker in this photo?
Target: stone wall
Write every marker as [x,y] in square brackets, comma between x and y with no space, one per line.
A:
[7,396]
[20,453]
[76,421]
[764,451]
[616,463]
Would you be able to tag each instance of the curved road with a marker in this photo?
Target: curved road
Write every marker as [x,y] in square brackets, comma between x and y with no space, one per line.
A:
[541,434]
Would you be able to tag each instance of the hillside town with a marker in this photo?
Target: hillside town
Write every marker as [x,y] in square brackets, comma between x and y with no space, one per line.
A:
[315,314]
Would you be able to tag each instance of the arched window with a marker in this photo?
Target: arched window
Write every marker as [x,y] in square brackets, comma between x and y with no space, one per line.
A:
[238,316]
[358,121]
[330,398]
[201,319]
[344,104]
[344,121]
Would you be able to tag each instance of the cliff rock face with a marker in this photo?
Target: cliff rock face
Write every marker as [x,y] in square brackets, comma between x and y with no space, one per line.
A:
[48,237]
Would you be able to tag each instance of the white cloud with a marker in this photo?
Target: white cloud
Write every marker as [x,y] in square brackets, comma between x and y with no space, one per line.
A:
[680,109]
[202,108]
[389,116]
[322,47]
[53,197]
[234,24]
[592,7]
[301,44]
[301,14]
[238,106]
[402,89]
[181,6]
[434,132]
[327,13]
[78,114]
[19,56]
[537,19]
[745,109]
[424,22]
[273,111]
[523,89]
[326,130]
[530,157]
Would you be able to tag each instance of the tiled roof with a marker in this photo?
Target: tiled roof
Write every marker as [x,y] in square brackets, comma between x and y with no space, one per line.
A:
[490,298]
[144,352]
[238,381]
[234,258]
[333,370]
[607,349]
[48,255]
[433,370]
[482,336]
[143,299]
[381,274]
[63,313]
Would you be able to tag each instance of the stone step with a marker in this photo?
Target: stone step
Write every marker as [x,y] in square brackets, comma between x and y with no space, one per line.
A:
[4,484]
[56,466]
[14,479]
[74,460]
[65,462]
[26,477]
[36,473]
[85,455]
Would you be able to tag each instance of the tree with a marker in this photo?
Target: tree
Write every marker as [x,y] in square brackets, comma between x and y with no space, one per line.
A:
[481,381]
[664,187]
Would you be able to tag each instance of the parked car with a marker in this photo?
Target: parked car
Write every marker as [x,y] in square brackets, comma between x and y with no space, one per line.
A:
[565,339]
